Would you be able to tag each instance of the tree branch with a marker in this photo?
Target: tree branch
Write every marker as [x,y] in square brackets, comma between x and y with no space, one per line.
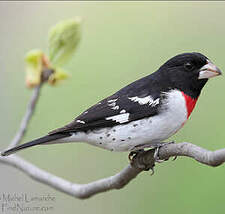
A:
[26,119]
[77,190]
[120,179]
[210,158]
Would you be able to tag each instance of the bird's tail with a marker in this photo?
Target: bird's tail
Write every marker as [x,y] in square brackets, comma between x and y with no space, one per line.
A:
[42,140]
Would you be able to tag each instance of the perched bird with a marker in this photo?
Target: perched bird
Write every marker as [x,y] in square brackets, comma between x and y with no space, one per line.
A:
[142,114]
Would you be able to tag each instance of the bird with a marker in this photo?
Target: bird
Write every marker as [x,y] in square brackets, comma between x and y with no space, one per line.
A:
[142,114]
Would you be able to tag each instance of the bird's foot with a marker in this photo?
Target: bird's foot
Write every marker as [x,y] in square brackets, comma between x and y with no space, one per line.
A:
[146,159]
[174,158]
[132,154]
[139,159]
[156,154]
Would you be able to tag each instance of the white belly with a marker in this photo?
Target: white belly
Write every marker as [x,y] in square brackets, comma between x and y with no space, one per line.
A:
[149,131]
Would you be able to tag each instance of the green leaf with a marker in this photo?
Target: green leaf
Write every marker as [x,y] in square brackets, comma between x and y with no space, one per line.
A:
[57,76]
[63,40]
[33,60]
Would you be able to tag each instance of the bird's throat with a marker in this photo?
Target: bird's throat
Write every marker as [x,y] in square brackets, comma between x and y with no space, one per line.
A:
[190,103]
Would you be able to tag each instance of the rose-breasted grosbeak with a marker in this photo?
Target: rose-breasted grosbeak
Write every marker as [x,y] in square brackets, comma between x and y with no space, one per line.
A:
[142,114]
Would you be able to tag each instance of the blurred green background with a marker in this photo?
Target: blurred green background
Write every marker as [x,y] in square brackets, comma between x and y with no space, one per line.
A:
[121,42]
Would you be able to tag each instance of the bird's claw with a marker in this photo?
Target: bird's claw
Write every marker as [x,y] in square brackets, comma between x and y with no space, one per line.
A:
[152,171]
[137,158]
[156,154]
[132,154]
[174,158]
[140,163]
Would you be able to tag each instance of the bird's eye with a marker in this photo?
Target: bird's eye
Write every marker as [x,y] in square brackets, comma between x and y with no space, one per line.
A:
[188,66]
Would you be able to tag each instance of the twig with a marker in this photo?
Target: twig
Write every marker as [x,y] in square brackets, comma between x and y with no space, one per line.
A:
[210,158]
[122,178]
[26,119]
[77,190]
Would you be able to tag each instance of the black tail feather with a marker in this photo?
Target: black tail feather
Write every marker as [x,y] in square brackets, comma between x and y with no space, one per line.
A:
[35,142]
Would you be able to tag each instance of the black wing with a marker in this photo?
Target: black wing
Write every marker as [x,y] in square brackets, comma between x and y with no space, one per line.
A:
[128,104]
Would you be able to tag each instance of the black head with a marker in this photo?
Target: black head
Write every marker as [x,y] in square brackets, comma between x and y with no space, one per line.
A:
[189,72]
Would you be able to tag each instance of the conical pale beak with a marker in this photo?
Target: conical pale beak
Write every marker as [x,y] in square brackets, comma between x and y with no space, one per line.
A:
[208,71]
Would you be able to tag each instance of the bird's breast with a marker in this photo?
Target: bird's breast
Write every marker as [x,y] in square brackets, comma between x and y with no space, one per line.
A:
[190,103]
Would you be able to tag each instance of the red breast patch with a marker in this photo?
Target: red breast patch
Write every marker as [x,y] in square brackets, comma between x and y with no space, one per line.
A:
[190,103]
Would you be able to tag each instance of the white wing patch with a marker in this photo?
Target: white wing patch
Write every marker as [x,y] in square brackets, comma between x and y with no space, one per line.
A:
[123,111]
[115,108]
[81,121]
[121,118]
[112,103]
[145,100]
